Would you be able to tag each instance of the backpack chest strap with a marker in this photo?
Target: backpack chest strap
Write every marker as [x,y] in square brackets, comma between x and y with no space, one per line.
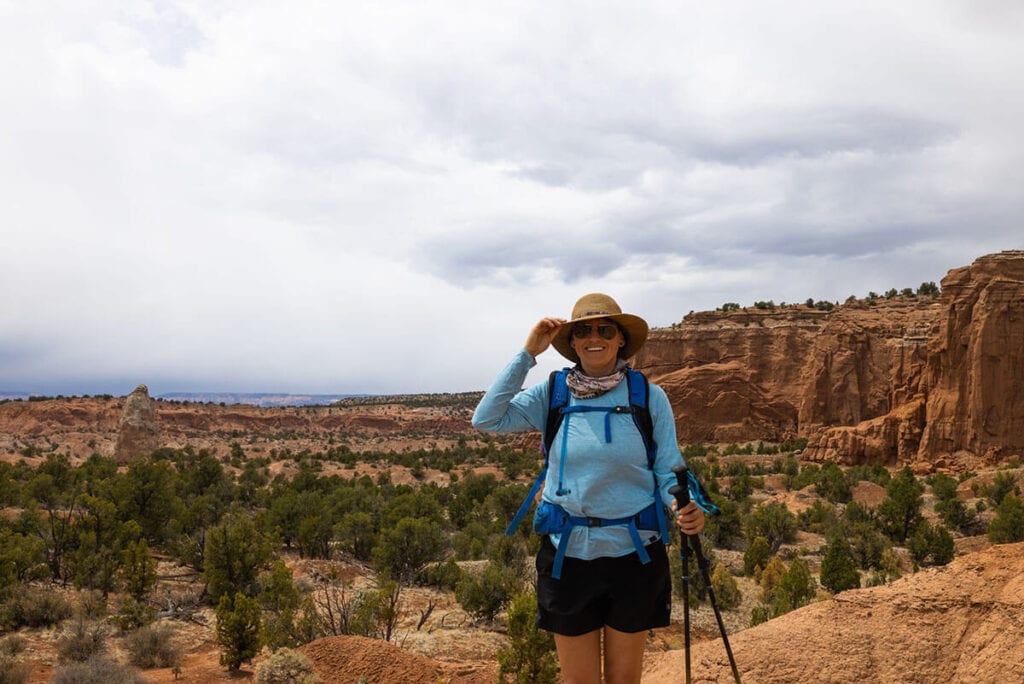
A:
[608,410]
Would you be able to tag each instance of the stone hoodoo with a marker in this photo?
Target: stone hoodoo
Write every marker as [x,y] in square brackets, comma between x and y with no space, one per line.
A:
[138,432]
[906,380]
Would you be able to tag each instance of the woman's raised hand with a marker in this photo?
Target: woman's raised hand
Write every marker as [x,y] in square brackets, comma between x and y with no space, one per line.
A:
[541,335]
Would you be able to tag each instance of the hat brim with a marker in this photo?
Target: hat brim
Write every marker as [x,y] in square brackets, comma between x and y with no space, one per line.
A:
[635,327]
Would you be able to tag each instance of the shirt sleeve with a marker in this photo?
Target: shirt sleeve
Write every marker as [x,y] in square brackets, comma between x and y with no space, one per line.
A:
[668,454]
[506,407]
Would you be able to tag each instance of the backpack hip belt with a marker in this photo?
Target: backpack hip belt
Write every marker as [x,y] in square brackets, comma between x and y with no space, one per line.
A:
[551,518]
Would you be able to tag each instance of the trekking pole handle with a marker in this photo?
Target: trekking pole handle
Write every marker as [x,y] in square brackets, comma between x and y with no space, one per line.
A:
[681,489]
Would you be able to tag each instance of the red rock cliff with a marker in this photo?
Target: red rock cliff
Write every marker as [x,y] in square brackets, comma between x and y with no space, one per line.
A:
[907,380]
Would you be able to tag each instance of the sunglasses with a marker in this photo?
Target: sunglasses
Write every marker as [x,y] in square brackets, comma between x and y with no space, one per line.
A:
[582,331]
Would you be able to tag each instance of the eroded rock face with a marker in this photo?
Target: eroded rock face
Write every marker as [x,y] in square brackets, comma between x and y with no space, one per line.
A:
[921,381]
[138,432]
[975,370]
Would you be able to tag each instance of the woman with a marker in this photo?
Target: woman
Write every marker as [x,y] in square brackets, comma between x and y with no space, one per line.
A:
[607,588]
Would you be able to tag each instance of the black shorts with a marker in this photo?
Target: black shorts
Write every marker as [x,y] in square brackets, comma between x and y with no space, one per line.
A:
[621,592]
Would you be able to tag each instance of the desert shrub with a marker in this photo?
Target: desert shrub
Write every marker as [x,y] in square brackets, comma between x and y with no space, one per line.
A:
[1003,484]
[238,629]
[81,641]
[12,669]
[796,588]
[133,614]
[1008,525]
[838,567]
[697,586]
[724,530]
[24,607]
[867,543]
[530,655]
[807,476]
[774,522]
[820,518]
[152,646]
[444,575]
[930,545]
[833,484]
[890,568]
[900,511]
[727,592]
[92,605]
[98,669]
[286,666]
[756,556]
[484,595]
[943,486]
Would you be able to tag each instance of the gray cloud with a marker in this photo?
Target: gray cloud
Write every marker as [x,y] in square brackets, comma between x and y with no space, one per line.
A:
[236,196]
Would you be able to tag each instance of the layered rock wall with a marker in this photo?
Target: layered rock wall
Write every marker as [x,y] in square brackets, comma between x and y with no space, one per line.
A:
[928,381]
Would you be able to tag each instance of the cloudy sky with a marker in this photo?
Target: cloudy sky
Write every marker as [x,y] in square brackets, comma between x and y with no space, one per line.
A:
[334,197]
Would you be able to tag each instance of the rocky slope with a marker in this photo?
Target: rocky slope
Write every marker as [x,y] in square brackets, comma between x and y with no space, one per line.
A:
[932,382]
[958,623]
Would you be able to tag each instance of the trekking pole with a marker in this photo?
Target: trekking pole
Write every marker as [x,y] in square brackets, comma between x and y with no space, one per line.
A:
[681,491]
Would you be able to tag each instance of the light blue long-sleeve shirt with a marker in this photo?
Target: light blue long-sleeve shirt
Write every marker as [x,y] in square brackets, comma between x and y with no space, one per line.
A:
[597,478]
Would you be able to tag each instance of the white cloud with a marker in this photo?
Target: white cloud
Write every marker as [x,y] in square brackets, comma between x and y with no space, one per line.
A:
[384,196]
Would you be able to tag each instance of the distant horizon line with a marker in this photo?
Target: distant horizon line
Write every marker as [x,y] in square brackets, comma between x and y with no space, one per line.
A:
[16,394]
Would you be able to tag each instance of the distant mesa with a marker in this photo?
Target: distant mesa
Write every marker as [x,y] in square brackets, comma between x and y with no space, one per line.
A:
[265,399]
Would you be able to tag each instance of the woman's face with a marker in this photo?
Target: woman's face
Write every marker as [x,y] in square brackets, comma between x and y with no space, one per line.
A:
[597,343]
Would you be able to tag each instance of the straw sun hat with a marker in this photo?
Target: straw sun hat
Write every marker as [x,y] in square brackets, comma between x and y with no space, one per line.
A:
[597,305]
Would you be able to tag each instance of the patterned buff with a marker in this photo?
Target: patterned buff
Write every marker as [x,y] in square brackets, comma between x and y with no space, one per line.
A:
[586,387]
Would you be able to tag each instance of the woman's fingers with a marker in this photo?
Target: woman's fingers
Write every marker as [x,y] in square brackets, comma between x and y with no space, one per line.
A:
[541,335]
[690,519]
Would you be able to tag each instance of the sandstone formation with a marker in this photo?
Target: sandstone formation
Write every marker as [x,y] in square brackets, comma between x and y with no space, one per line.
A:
[958,623]
[933,382]
[138,432]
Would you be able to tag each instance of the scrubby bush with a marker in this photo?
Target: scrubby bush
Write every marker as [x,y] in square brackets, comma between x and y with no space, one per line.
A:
[1004,483]
[92,605]
[530,657]
[286,666]
[930,545]
[81,642]
[484,595]
[238,629]
[444,575]
[98,669]
[774,522]
[838,568]
[1008,525]
[756,556]
[22,607]
[133,614]
[796,588]
[727,592]
[152,646]
[12,669]
[900,511]
[724,530]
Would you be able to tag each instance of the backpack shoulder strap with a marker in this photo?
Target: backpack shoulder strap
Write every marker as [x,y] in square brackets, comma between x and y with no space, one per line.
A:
[558,391]
[639,395]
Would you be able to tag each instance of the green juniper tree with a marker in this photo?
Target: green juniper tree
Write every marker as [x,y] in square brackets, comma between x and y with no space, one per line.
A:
[238,629]
[838,568]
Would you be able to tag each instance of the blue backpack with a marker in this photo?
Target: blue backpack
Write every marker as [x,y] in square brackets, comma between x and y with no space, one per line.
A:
[552,518]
